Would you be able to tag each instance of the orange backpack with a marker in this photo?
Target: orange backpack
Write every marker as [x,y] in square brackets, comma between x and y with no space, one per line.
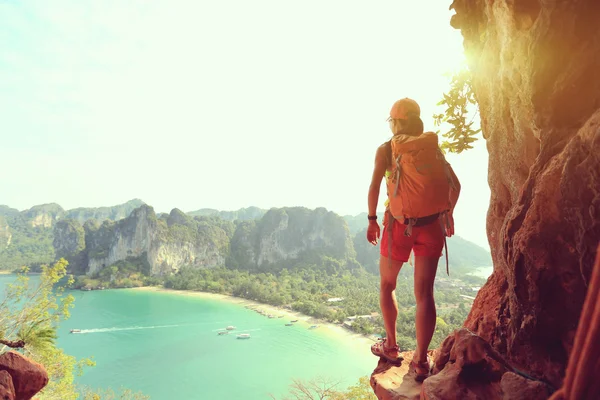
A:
[421,183]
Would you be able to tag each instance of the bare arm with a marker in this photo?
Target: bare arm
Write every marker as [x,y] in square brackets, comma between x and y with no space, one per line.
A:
[378,173]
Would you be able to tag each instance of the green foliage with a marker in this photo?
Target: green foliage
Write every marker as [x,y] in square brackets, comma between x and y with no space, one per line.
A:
[462,133]
[110,394]
[99,237]
[307,289]
[32,314]
[128,273]
[29,245]
[323,388]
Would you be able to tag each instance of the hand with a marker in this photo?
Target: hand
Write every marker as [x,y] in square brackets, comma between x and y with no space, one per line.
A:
[373,232]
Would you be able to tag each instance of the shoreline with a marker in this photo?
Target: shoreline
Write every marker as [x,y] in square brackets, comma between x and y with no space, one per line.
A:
[324,326]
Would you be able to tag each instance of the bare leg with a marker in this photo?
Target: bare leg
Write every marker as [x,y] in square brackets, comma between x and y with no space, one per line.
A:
[425,269]
[387,300]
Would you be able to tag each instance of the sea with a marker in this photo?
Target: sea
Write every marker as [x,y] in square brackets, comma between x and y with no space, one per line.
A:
[167,346]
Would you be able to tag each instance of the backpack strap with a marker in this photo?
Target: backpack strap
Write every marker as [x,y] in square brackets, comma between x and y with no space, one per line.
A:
[444,222]
[390,225]
[397,173]
[409,227]
[446,169]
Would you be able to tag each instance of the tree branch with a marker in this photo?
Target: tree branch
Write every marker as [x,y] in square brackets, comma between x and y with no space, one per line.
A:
[13,344]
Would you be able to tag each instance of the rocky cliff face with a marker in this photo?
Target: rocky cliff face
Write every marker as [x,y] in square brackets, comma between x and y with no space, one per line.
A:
[44,215]
[26,237]
[286,234]
[535,68]
[20,377]
[175,240]
[165,244]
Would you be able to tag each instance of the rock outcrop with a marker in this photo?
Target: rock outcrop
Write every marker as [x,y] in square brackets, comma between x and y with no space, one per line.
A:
[390,382]
[535,68]
[581,381]
[44,215]
[26,237]
[20,378]
[288,234]
[174,240]
[165,244]
[466,367]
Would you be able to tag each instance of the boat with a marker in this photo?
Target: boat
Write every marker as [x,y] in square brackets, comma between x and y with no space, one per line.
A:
[243,336]
[289,324]
[271,316]
[294,320]
[75,330]
[230,328]
[313,326]
[223,333]
[281,316]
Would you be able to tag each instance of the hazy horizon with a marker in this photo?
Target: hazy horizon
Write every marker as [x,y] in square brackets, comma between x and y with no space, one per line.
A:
[219,105]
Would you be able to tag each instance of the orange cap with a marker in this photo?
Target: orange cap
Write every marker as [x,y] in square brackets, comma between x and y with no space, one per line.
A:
[403,107]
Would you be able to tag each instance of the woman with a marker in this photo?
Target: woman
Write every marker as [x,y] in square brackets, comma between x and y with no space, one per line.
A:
[424,236]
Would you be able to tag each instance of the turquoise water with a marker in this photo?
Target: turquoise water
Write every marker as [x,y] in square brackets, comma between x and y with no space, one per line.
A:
[167,346]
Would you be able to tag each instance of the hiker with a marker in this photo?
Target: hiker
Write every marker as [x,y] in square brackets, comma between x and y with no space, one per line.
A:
[422,192]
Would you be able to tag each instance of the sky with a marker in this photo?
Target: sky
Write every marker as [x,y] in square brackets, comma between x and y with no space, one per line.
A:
[219,104]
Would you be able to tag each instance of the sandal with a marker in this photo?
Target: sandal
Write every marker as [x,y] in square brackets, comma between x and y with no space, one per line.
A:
[422,369]
[380,350]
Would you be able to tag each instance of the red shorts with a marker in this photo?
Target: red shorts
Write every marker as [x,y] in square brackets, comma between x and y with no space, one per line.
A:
[426,240]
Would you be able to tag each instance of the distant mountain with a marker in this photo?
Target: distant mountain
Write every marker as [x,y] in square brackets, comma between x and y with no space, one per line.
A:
[243,214]
[357,223]
[282,238]
[26,236]
[250,238]
[463,256]
[113,213]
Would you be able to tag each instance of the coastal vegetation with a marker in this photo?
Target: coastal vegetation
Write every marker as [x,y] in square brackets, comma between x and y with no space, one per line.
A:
[29,317]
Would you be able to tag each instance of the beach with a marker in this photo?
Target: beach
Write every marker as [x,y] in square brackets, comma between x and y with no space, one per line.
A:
[324,327]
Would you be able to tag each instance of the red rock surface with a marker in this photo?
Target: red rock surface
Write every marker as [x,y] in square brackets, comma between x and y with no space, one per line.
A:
[516,387]
[536,75]
[28,377]
[583,372]
[467,367]
[395,382]
[7,389]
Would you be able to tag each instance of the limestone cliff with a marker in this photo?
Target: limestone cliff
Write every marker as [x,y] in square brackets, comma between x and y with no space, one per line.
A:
[284,235]
[26,237]
[165,244]
[44,215]
[536,75]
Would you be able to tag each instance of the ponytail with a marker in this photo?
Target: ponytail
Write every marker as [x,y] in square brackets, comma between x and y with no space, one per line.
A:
[413,125]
